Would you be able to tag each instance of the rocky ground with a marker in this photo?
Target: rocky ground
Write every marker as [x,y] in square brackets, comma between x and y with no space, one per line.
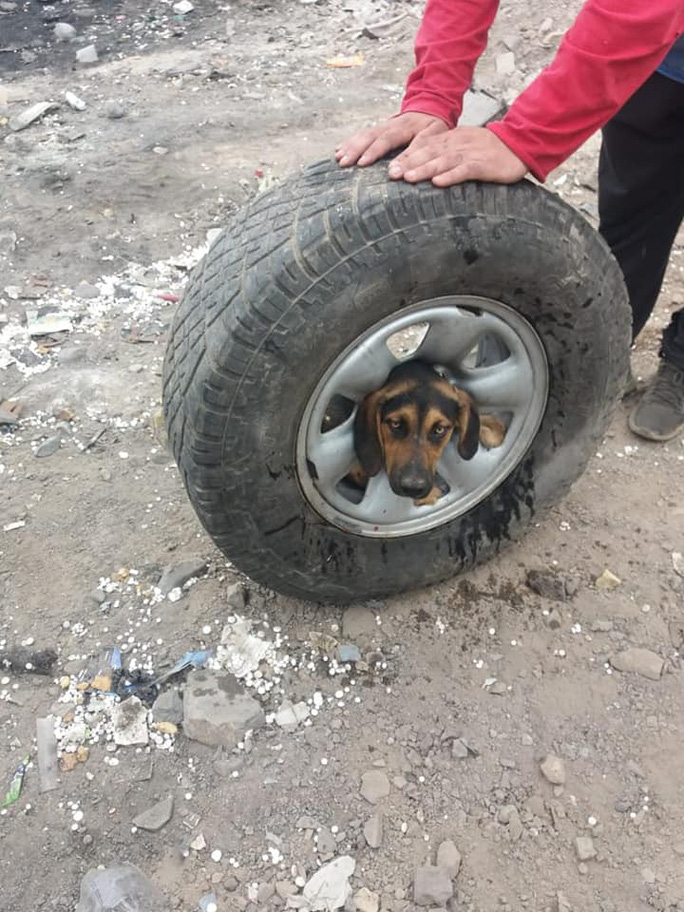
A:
[508,741]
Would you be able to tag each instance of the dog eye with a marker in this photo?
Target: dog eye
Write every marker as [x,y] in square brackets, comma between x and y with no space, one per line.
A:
[395,424]
[439,430]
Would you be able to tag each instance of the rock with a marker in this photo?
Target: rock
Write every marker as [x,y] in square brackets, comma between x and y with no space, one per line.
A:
[373,830]
[639,661]
[366,901]
[85,292]
[509,816]
[479,108]
[498,688]
[48,447]
[535,805]
[284,889]
[449,858]
[608,581]
[289,716]
[119,887]
[551,585]
[648,876]
[177,575]
[154,818]
[130,722]
[505,63]
[30,115]
[87,55]
[329,887]
[459,749]
[375,786]
[584,847]
[64,32]
[601,626]
[236,596]
[265,893]
[168,707]
[113,110]
[432,886]
[554,620]
[678,563]
[553,770]
[562,903]
[216,710]
[358,622]
[325,842]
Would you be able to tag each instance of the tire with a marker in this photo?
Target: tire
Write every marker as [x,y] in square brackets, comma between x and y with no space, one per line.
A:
[295,278]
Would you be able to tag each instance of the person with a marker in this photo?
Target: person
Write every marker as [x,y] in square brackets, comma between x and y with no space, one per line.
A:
[621,68]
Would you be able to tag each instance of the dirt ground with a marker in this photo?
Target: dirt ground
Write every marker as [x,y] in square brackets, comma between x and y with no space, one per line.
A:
[461,691]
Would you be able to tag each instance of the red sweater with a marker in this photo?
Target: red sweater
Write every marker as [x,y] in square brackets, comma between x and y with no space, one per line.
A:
[612,48]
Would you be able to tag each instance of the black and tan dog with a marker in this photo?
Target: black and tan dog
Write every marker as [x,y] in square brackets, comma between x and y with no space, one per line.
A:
[404,426]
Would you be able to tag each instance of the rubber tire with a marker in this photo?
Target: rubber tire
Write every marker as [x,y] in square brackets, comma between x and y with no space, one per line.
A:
[298,275]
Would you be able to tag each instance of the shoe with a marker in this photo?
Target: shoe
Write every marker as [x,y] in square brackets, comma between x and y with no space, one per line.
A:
[660,414]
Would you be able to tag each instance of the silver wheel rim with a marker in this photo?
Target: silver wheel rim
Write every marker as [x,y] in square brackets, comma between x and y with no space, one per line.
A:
[480,345]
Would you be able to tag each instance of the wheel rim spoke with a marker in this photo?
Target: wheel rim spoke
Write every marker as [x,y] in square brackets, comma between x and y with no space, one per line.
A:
[501,386]
[464,475]
[365,370]
[451,340]
[380,504]
[333,453]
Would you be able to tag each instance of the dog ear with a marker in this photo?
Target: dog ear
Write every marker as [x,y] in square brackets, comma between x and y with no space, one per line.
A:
[468,422]
[367,434]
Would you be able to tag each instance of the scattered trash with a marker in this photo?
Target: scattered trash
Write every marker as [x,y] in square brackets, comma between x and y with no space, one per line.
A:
[10,527]
[183,7]
[30,115]
[120,887]
[47,754]
[74,102]
[130,722]
[16,783]
[343,63]
[10,412]
[329,888]
[196,659]
[608,581]
[347,652]
[47,324]
[101,676]
[678,563]
[208,903]
[240,652]
[87,55]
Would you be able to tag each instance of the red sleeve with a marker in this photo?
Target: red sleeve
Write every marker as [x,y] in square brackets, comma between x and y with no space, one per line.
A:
[451,38]
[612,48]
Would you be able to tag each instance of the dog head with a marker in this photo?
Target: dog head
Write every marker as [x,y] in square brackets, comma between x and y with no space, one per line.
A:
[405,425]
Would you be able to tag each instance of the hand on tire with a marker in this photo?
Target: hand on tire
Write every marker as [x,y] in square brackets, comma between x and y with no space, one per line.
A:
[368,146]
[461,154]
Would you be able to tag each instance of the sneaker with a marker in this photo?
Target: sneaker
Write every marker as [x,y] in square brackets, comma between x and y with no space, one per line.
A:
[660,414]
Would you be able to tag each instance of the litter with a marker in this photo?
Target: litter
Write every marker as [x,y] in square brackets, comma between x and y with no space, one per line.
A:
[196,659]
[47,754]
[16,783]
[47,324]
[343,63]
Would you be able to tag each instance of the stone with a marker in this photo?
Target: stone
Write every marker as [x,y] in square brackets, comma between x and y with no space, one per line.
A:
[479,108]
[449,858]
[177,575]
[265,893]
[553,770]
[584,848]
[285,889]
[639,661]
[608,581]
[505,63]
[374,786]
[216,710]
[289,716]
[552,585]
[325,842]
[459,749]
[554,620]
[358,622]
[236,596]
[64,32]
[130,722]
[87,55]
[86,292]
[48,447]
[156,817]
[366,901]
[119,887]
[535,805]
[602,626]
[113,110]
[373,831]
[562,903]
[168,707]
[329,887]
[432,886]
[510,817]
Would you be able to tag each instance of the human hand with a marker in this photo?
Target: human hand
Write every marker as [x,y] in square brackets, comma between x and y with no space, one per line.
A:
[461,154]
[369,145]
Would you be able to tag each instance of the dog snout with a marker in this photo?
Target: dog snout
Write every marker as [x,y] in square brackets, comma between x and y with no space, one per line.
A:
[413,482]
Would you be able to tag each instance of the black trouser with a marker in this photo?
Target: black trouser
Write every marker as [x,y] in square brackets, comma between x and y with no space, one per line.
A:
[641,197]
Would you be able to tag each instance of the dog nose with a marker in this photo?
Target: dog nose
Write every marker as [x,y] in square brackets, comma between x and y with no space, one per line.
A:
[414,484]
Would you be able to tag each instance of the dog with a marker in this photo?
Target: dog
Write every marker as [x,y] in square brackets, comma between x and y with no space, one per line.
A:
[404,426]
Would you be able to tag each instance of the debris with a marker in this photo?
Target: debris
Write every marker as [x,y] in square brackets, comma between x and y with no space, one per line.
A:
[374,786]
[551,585]
[343,63]
[608,581]
[562,903]
[64,32]
[373,831]
[505,63]
[101,675]
[168,707]
[47,754]
[183,7]
[459,749]
[479,108]
[208,903]
[584,847]
[120,887]
[678,563]
[177,575]
[47,324]
[432,886]
[87,55]
[640,661]
[358,622]
[240,652]
[30,115]
[16,783]
[48,447]
[216,710]
[553,770]
[197,659]
[74,102]
[449,858]
[10,527]
[289,716]
[347,652]
[510,817]
[130,722]
[199,843]
[602,626]
[114,110]
[10,412]
[329,887]
[156,817]
[34,661]
[366,901]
